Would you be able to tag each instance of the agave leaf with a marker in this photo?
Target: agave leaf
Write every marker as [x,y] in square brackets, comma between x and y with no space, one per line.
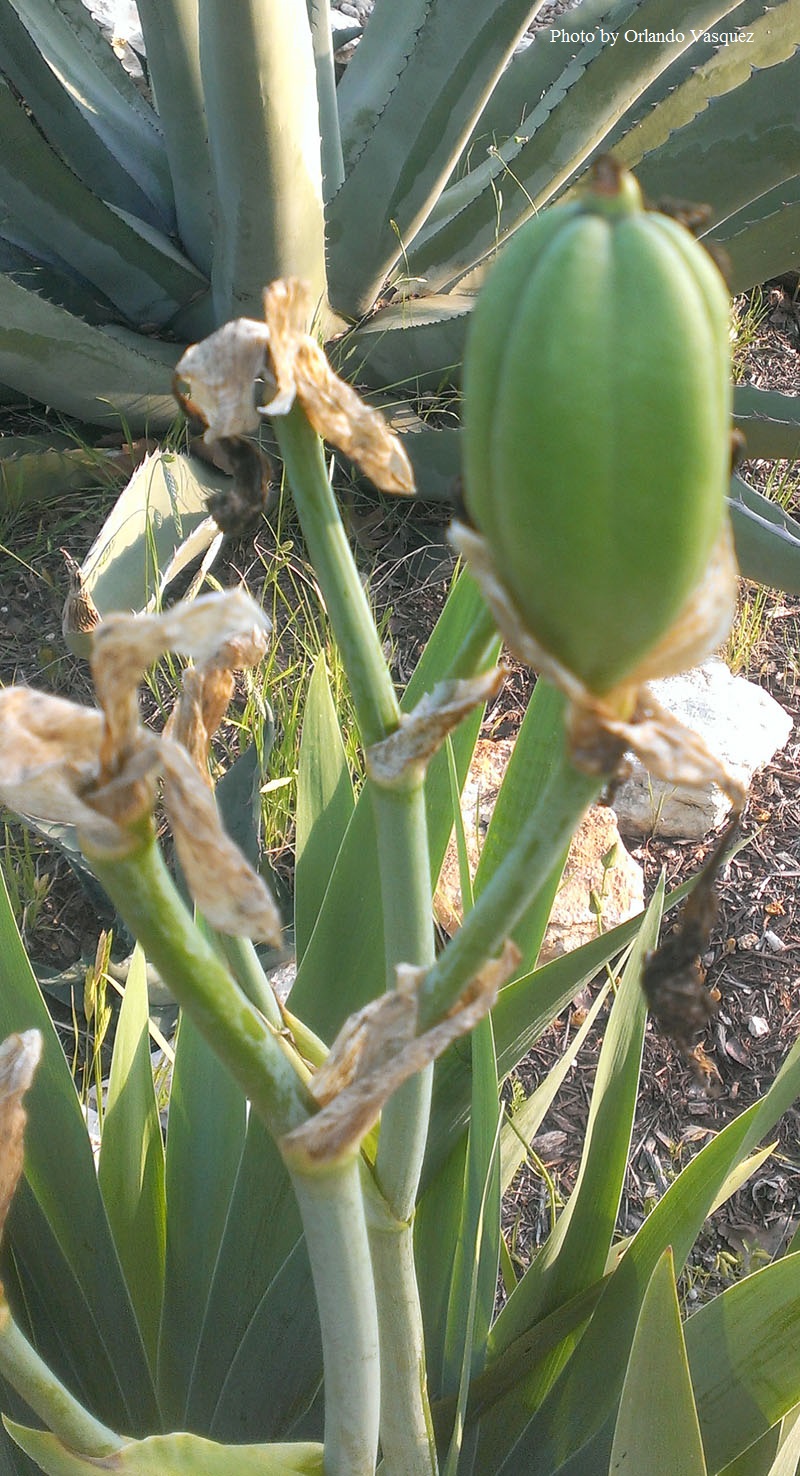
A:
[435,457]
[767,539]
[319,14]
[770,421]
[259,83]
[744,1384]
[172,40]
[38,268]
[724,72]
[93,374]
[68,128]
[529,76]
[556,141]
[692,164]
[690,63]
[205,1138]
[458,52]
[325,803]
[159,519]
[131,1166]
[372,73]
[172,1455]
[94,81]
[657,1429]
[39,469]
[764,244]
[417,346]
[138,269]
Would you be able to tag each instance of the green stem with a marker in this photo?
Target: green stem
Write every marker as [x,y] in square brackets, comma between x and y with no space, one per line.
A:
[406,1426]
[407,1438]
[257,1056]
[332,1208]
[408,930]
[408,938]
[242,960]
[346,602]
[544,835]
[26,1372]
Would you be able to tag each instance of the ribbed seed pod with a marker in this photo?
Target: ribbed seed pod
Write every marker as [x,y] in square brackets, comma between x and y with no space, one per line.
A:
[597,407]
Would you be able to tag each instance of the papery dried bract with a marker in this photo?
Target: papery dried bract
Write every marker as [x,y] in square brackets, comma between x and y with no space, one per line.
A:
[49,761]
[423,731]
[378,1049]
[197,714]
[336,412]
[222,882]
[19,1057]
[221,372]
[126,645]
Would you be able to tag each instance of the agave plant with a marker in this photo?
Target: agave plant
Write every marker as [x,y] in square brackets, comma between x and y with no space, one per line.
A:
[132,224]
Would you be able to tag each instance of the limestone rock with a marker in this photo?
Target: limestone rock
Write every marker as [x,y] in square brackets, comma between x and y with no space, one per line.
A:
[602,885]
[741,724]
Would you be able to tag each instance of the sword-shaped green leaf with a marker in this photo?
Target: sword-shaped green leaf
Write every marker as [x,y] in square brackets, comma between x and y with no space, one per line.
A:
[92,77]
[325,803]
[657,1429]
[131,1166]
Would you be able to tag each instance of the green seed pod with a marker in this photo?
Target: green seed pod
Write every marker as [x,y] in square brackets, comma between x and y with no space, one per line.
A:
[597,407]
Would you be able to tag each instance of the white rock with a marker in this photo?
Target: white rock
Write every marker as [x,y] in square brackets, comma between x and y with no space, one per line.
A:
[741,724]
[602,885]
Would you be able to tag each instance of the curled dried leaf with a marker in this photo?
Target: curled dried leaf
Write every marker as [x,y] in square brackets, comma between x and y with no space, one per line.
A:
[222,882]
[126,645]
[220,373]
[98,770]
[334,409]
[377,1050]
[196,716]
[19,1057]
[672,978]
[423,731]
[48,762]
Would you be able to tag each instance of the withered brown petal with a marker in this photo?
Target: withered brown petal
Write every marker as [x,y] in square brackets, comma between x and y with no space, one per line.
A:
[229,893]
[377,1050]
[19,1057]
[336,412]
[423,731]
[221,372]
